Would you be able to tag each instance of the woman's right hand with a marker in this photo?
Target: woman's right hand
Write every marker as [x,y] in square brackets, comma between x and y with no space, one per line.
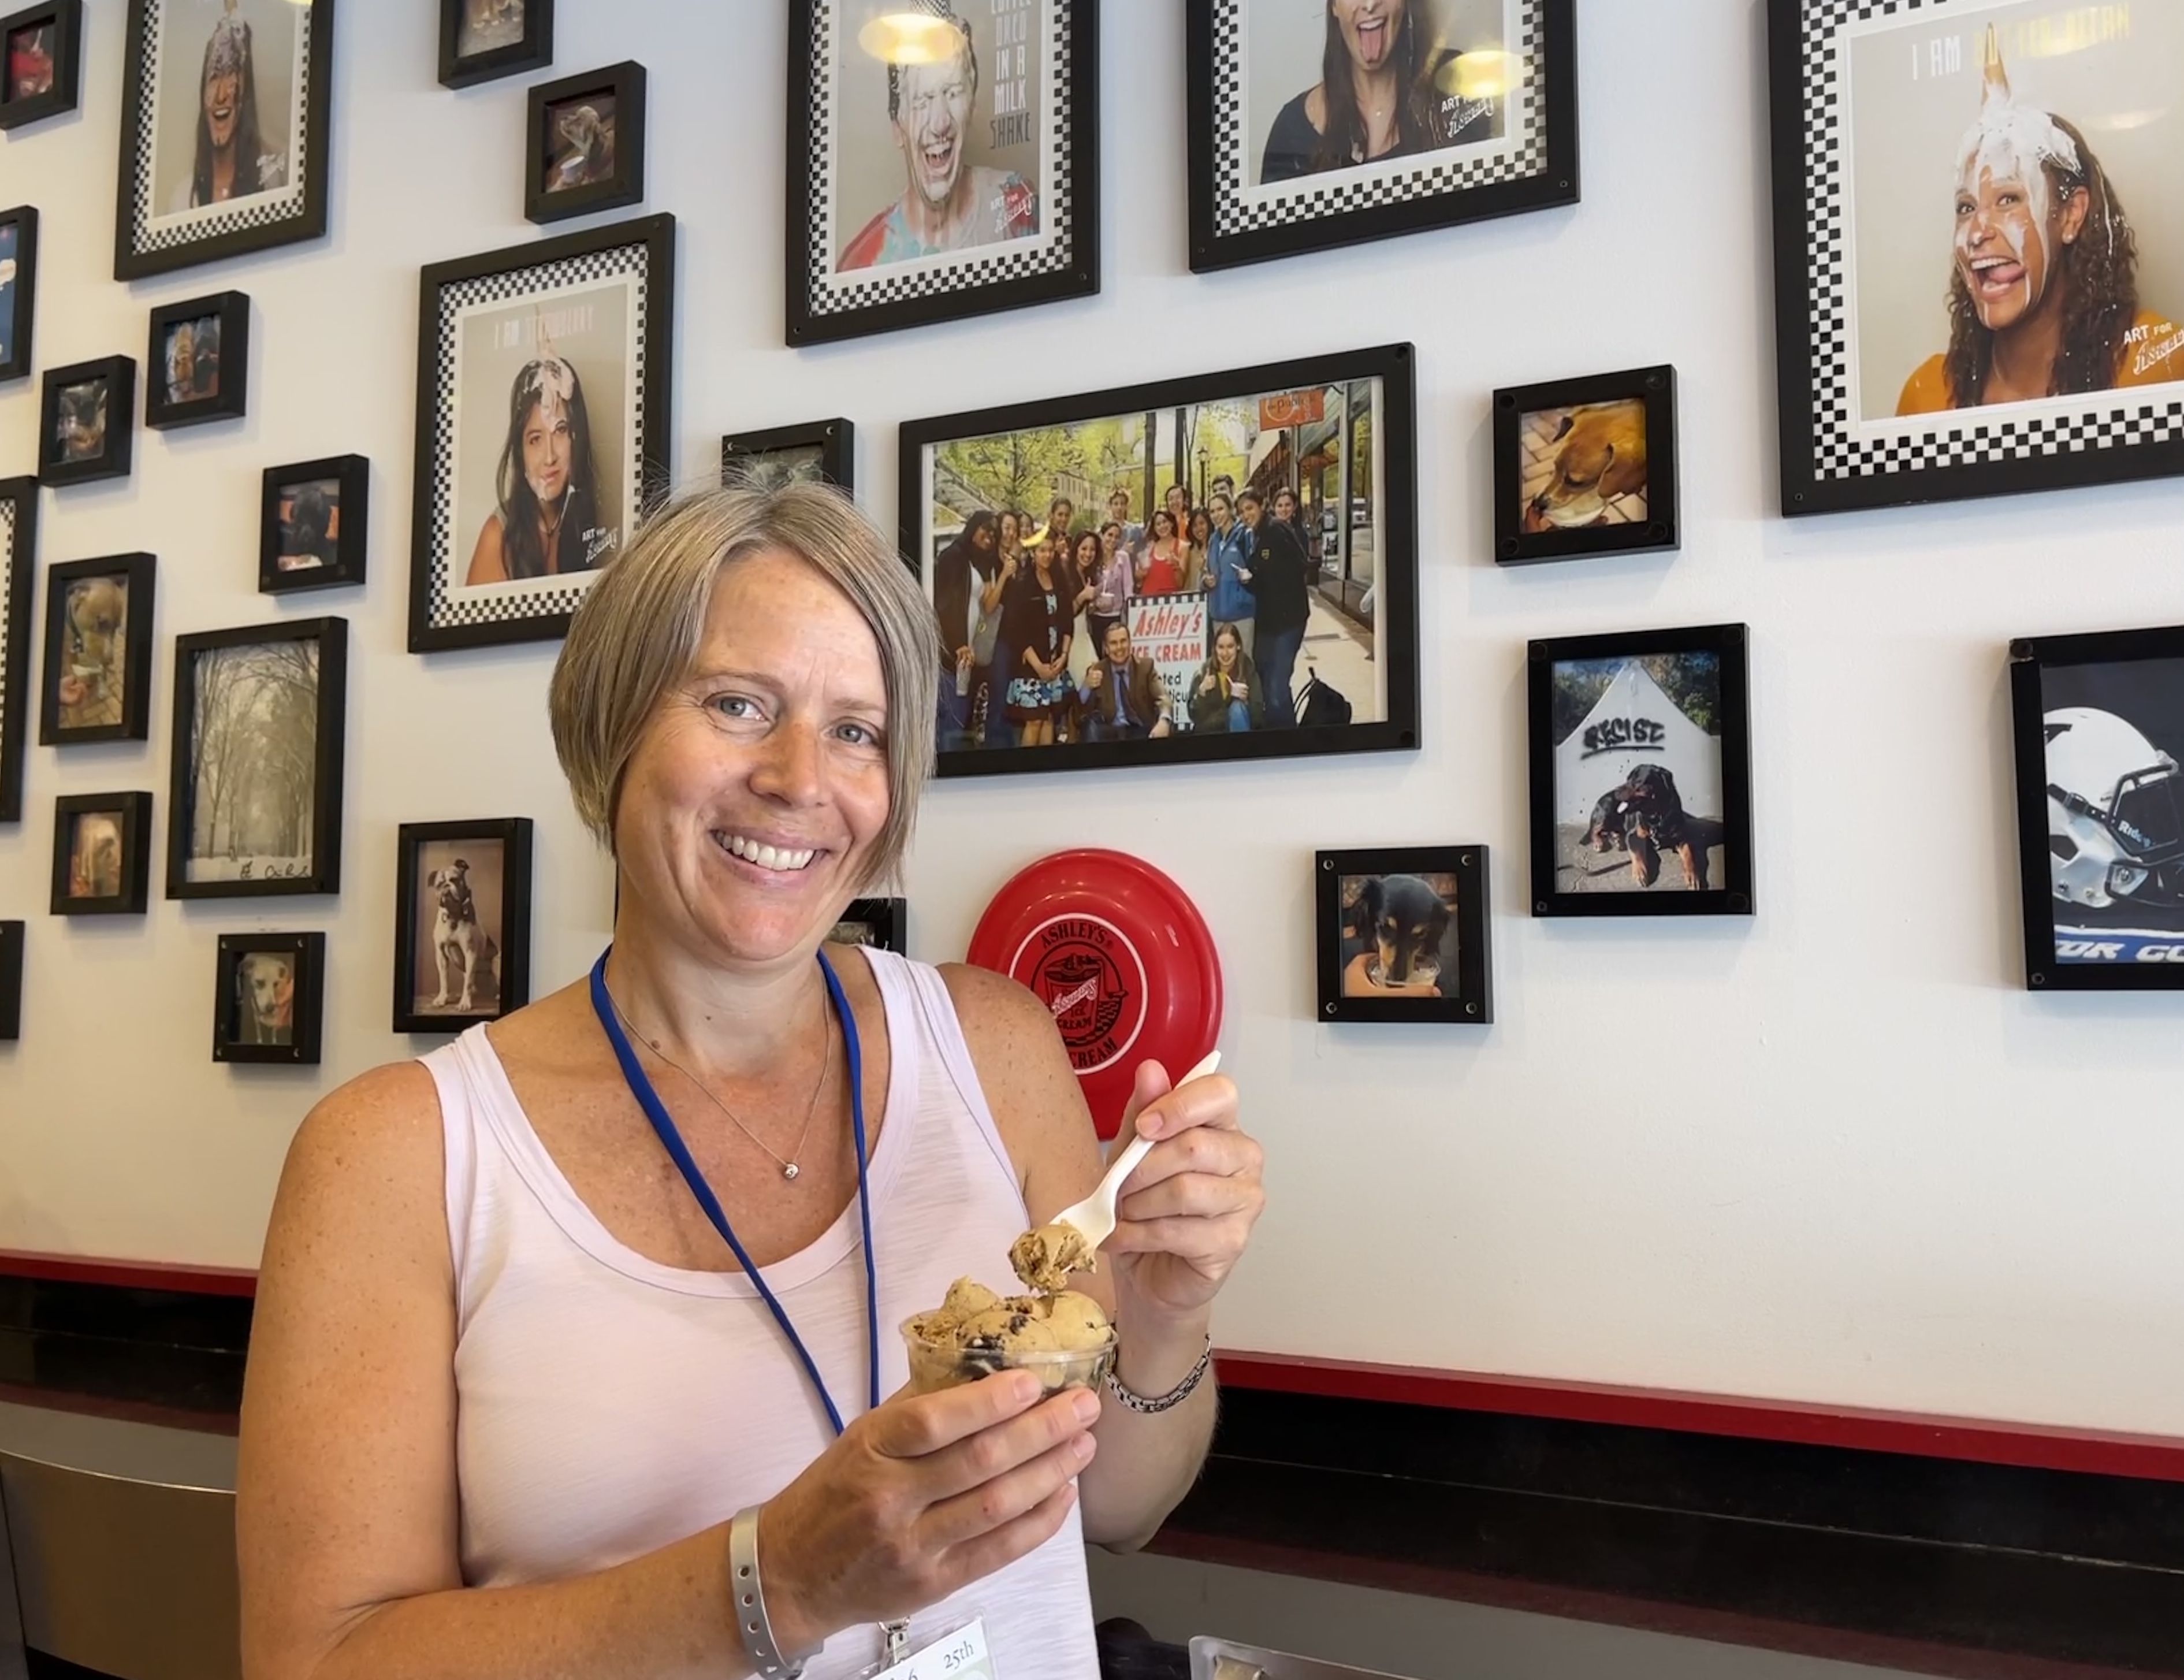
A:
[918,1500]
[1210,684]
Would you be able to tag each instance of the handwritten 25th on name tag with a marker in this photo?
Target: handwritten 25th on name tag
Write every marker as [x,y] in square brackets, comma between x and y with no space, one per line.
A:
[962,1655]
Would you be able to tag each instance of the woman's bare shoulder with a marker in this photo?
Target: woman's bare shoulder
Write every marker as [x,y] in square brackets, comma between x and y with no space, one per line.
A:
[379,1135]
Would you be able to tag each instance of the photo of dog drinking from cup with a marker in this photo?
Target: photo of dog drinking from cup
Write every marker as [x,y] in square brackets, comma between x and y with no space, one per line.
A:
[1399,934]
[459,929]
[1583,467]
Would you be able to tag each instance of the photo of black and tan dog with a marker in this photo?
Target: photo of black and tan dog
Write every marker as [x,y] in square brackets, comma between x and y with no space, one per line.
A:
[1645,817]
[265,997]
[1398,934]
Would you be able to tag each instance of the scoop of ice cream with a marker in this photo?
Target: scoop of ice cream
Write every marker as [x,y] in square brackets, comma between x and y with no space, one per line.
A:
[1044,1259]
[1076,1320]
[1064,1337]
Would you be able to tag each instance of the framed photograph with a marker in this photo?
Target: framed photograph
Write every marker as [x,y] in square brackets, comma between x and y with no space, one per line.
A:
[101,854]
[544,419]
[1585,466]
[312,524]
[225,131]
[19,553]
[200,361]
[1475,115]
[880,922]
[825,452]
[483,40]
[943,160]
[98,650]
[1405,934]
[2099,726]
[586,144]
[87,422]
[1977,278]
[1642,773]
[1198,569]
[269,998]
[255,800]
[19,289]
[462,944]
[11,981]
[43,71]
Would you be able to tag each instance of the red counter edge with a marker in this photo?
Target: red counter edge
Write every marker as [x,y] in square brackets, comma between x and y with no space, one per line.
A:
[2154,1458]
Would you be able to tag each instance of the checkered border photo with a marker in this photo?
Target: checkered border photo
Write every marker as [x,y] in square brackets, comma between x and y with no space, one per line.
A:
[263,221]
[1826,465]
[823,306]
[19,520]
[643,251]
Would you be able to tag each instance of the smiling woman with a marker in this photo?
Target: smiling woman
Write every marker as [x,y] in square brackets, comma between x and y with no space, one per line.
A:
[616,1280]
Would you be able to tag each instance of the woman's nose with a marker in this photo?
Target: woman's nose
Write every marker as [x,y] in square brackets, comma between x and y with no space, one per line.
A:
[788,768]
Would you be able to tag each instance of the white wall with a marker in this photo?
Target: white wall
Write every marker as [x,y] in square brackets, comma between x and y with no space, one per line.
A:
[1836,1154]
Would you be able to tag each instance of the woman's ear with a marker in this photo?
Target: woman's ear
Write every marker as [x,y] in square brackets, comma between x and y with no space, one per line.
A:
[2077,205]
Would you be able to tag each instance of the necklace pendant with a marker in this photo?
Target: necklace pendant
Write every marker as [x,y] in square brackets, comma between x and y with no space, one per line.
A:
[789,1169]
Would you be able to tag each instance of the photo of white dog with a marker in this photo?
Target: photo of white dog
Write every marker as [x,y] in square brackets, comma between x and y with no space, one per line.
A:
[265,998]
[458,920]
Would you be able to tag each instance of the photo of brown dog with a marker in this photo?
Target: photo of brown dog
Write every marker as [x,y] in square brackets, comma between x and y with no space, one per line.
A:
[95,856]
[265,997]
[1584,467]
[91,683]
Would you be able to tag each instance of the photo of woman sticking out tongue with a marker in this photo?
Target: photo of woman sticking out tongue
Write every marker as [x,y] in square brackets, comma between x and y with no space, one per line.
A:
[2043,287]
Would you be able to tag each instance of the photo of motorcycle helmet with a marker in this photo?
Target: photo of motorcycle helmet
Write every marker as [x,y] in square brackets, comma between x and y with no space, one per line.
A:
[2115,812]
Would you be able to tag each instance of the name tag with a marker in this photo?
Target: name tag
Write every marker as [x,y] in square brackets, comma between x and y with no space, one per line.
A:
[962,1655]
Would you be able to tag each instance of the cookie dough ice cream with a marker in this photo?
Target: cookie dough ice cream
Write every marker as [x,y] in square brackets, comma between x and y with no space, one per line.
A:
[1044,1259]
[1059,1334]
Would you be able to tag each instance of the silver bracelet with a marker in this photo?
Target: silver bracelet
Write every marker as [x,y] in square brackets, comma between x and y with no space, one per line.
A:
[764,1650]
[1175,1397]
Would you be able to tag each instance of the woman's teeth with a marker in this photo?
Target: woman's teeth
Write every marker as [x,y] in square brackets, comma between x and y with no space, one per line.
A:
[765,857]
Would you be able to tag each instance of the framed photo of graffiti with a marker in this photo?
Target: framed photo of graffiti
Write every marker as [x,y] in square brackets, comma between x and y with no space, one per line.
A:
[544,420]
[943,160]
[1473,113]
[226,126]
[1979,265]
[2099,734]
[97,678]
[18,548]
[1642,773]
[1403,934]
[1183,572]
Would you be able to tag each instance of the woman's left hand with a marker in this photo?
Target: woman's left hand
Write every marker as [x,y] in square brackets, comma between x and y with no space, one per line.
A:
[1184,1214]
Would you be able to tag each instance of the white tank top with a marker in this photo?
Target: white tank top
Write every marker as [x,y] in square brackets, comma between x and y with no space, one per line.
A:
[608,1406]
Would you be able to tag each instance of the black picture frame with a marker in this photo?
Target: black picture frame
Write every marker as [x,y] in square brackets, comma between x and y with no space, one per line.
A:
[12,940]
[242,1032]
[2100,821]
[65,51]
[1460,943]
[1389,507]
[531,50]
[253,751]
[80,630]
[1640,725]
[1060,259]
[19,552]
[880,922]
[321,553]
[508,955]
[1565,430]
[59,462]
[748,454]
[623,183]
[1842,445]
[156,229]
[131,874]
[632,265]
[19,296]
[1531,165]
[230,396]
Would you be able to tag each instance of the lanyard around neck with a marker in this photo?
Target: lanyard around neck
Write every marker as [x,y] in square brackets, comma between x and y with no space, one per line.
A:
[640,1087]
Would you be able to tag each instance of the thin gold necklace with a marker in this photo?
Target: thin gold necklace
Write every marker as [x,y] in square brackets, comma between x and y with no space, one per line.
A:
[789,1169]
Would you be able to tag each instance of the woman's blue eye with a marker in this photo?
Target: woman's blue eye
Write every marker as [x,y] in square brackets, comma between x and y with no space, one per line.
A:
[726,703]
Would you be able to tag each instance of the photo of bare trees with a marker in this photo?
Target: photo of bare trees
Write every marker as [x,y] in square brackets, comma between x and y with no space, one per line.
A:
[253,758]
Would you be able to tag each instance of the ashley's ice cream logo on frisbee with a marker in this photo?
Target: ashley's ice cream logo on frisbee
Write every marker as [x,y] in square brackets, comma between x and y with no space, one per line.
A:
[1090,974]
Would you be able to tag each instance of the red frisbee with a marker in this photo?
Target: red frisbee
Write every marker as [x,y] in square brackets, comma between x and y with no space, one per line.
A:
[1120,955]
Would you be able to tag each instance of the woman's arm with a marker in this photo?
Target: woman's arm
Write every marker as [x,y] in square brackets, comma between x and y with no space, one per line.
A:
[489,558]
[1185,1214]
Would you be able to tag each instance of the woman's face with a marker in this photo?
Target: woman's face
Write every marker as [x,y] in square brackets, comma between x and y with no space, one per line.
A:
[983,540]
[1370,29]
[222,94]
[1225,650]
[2010,230]
[1088,550]
[546,451]
[1285,505]
[1010,535]
[1163,526]
[759,787]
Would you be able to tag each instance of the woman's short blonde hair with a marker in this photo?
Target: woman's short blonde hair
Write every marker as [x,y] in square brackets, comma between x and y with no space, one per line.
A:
[637,634]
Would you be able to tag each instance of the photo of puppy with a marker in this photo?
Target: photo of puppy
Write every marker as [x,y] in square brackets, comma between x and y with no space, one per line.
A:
[80,425]
[1398,934]
[580,142]
[1584,466]
[91,683]
[265,998]
[95,856]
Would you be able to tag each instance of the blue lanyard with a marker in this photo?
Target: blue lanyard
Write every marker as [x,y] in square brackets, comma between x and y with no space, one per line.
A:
[640,1087]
